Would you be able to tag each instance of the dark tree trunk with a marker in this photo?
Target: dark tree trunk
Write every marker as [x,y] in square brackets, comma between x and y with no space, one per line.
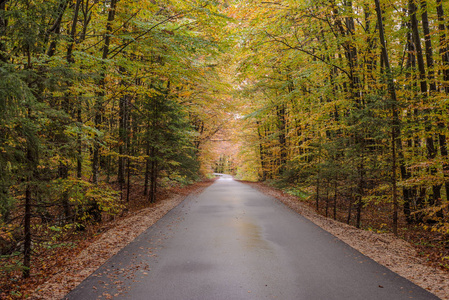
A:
[358,221]
[123,107]
[128,181]
[147,161]
[73,32]
[444,53]
[317,200]
[262,152]
[407,192]
[335,198]
[56,28]
[153,176]
[3,27]
[31,163]
[102,93]
[129,142]
[79,160]
[27,233]
[431,148]
[64,174]
[282,137]
[348,220]
[395,131]
[422,82]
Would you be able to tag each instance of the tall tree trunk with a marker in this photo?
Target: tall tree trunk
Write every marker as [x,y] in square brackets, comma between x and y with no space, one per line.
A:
[102,93]
[71,60]
[395,131]
[444,53]
[64,174]
[27,231]
[431,148]
[123,107]
[79,163]
[282,137]
[73,32]
[407,192]
[348,219]
[128,180]
[129,143]
[422,83]
[27,218]
[262,155]
[147,161]
[335,198]
[66,105]
[417,42]
[153,176]
[3,27]
[444,46]
[361,189]
[56,28]
[31,164]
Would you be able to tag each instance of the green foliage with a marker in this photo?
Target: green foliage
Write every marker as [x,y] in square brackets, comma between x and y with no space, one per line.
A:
[319,99]
[88,91]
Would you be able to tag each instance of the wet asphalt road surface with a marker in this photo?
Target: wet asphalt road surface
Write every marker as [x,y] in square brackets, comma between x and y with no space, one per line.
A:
[232,242]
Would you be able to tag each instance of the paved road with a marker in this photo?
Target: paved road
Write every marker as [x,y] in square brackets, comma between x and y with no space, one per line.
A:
[232,242]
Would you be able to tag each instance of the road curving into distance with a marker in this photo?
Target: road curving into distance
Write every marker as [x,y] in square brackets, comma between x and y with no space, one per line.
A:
[232,242]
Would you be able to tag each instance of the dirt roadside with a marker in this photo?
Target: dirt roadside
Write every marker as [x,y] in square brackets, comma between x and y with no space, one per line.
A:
[389,251]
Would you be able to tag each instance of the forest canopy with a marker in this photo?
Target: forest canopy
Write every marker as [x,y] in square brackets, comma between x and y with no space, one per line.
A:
[345,102]
[97,97]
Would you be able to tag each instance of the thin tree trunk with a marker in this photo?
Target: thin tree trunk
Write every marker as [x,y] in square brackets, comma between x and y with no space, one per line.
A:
[73,32]
[147,161]
[64,174]
[262,152]
[27,218]
[123,103]
[128,187]
[431,149]
[423,87]
[79,168]
[282,137]
[3,27]
[444,53]
[348,220]
[395,131]
[153,176]
[358,220]
[335,199]
[27,232]
[31,161]
[102,93]
[317,203]
[56,28]
[419,53]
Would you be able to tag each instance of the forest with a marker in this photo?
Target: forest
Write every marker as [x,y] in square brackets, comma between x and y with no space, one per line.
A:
[341,103]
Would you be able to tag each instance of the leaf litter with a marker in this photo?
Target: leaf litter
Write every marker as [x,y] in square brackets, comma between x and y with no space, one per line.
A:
[108,244]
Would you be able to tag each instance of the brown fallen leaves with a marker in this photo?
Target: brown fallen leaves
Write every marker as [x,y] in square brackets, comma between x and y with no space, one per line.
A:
[108,244]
